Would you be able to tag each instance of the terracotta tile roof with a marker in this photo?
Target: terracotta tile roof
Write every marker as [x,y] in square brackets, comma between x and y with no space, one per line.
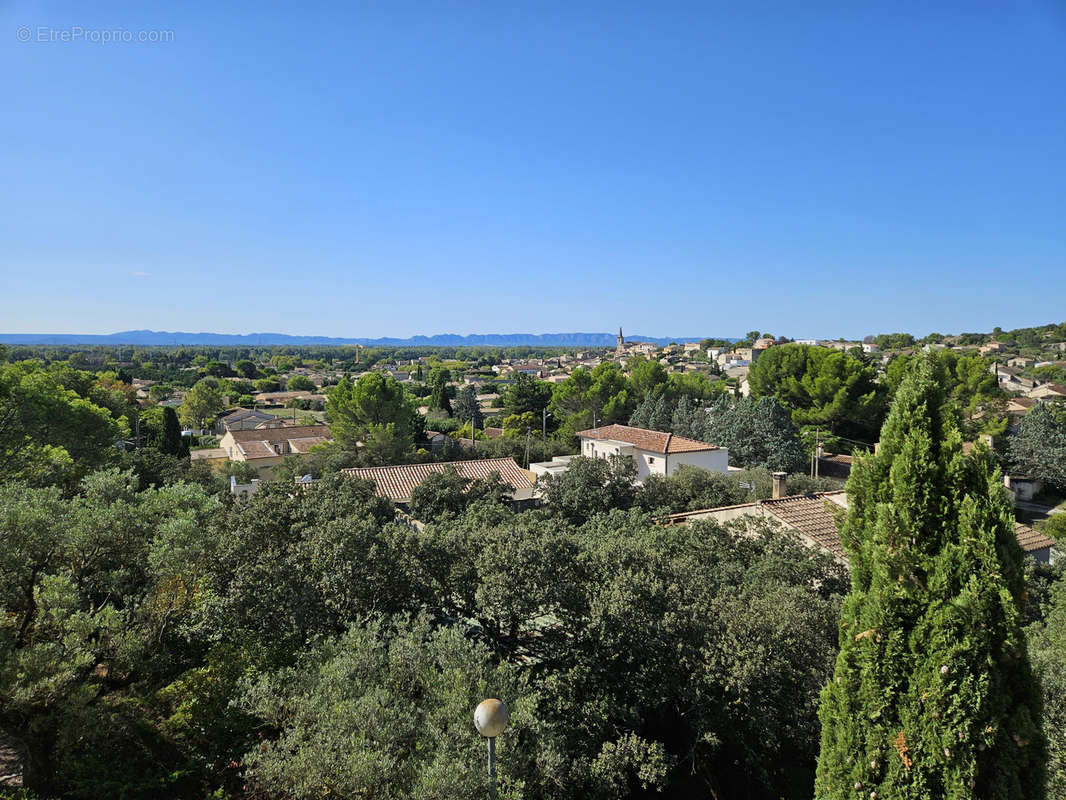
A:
[810,515]
[305,444]
[261,442]
[1031,540]
[208,453]
[277,435]
[397,482]
[813,516]
[256,449]
[652,441]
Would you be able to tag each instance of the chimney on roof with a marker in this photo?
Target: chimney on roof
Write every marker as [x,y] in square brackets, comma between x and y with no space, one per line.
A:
[779,484]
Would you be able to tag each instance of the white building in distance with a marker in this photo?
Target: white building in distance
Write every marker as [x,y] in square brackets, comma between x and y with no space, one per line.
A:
[653,452]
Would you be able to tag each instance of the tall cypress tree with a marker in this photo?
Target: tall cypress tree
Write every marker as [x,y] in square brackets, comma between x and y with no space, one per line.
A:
[173,442]
[932,696]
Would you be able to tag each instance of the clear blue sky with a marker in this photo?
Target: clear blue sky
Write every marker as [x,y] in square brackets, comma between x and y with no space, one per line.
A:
[394,168]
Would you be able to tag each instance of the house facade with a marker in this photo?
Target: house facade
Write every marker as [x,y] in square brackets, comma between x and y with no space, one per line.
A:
[652,452]
[265,448]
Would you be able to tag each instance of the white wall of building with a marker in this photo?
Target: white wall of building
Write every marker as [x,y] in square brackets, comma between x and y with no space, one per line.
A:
[710,460]
[651,463]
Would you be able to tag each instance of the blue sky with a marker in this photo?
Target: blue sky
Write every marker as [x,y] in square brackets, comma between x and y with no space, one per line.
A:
[394,168]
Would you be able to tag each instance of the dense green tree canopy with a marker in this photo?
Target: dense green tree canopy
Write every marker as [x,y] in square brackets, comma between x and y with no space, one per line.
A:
[526,394]
[202,403]
[1038,447]
[466,406]
[50,432]
[448,493]
[1048,647]
[823,387]
[590,486]
[932,696]
[971,389]
[300,383]
[94,590]
[374,407]
[758,433]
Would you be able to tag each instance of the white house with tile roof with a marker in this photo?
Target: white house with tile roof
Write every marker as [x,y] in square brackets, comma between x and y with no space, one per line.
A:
[653,452]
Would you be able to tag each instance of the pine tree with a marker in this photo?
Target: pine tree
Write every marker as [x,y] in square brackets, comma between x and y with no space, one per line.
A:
[641,416]
[173,443]
[932,695]
[661,415]
[687,419]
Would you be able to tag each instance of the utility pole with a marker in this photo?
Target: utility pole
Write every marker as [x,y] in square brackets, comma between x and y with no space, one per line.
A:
[817,449]
[544,424]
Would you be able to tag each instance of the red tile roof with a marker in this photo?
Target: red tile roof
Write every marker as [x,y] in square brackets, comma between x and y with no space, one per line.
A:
[653,441]
[279,434]
[397,482]
[262,442]
[811,515]
[1031,540]
[814,516]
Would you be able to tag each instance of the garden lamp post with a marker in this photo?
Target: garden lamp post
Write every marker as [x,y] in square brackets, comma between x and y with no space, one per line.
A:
[490,719]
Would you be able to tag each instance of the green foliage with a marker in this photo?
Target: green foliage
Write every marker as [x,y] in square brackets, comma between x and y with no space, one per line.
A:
[448,493]
[440,392]
[821,386]
[246,369]
[385,711]
[153,467]
[1055,527]
[466,407]
[94,592]
[300,383]
[932,695]
[646,377]
[288,566]
[758,433]
[602,394]
[590,486]
[1038,447]
[51,433]
[972,393]
[516,426]
[375,411]
[894,341]
[202,403]
[1047,649]
[171,441]
[689,489]
[526,395]
[653,413]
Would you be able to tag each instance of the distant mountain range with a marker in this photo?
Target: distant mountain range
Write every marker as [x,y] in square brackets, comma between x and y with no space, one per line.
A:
[256,339]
